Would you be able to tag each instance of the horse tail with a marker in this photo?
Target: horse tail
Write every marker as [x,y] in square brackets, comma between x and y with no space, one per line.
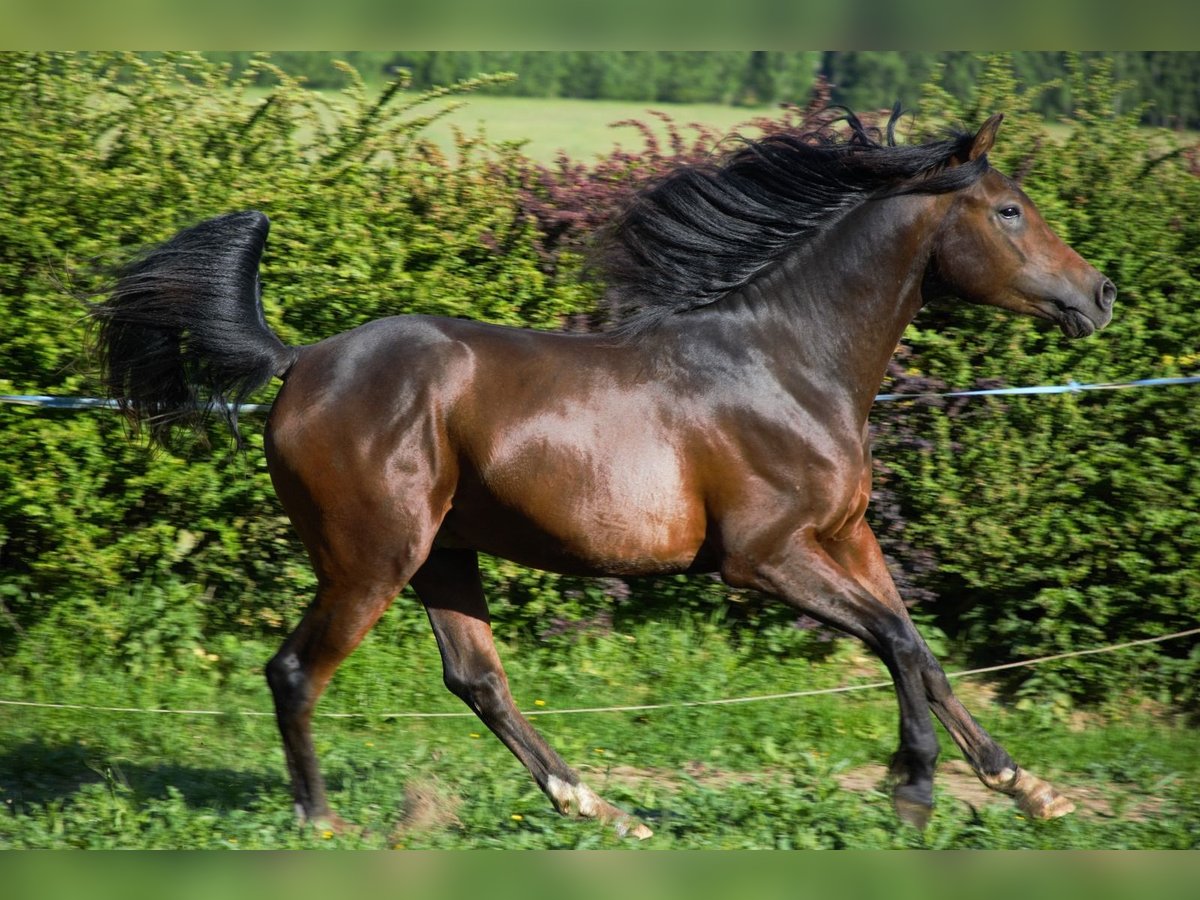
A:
[182,332]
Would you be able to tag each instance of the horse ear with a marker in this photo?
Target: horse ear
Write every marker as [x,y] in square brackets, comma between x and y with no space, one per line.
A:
[985,137]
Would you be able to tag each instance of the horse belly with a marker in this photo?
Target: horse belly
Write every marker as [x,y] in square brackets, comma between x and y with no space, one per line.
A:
[583,513]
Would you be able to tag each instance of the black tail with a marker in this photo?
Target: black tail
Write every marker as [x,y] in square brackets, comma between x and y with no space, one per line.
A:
[182,332]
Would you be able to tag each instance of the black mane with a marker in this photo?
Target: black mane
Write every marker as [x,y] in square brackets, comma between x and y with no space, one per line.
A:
[706,230]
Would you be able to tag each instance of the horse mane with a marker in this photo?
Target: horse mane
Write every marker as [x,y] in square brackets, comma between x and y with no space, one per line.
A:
[705,230]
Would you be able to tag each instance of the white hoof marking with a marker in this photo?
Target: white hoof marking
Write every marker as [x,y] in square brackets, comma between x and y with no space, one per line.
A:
[578,799]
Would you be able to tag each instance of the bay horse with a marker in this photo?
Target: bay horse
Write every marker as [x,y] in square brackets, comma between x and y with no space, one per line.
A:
[721,429]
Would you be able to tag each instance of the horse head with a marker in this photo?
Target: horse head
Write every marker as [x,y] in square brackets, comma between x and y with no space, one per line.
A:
[995,248]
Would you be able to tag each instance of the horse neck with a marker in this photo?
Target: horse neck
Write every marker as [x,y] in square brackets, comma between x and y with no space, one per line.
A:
[835,309]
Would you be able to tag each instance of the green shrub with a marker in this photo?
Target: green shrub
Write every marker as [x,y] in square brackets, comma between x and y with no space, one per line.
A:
[1056,523]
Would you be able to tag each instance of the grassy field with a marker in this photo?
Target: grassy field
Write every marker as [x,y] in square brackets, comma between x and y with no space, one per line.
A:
[785,774]
[583,129]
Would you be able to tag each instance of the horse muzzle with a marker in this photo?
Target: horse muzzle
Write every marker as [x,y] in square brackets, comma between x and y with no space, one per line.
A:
[1084,315]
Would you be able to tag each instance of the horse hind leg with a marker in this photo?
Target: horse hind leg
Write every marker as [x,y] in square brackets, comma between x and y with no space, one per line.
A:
[333,626]
[449,585]
[360,570]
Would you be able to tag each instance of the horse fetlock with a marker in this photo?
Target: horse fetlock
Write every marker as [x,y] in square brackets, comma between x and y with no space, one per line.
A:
[897,772]
[907,765]
[579,800]
[574,799]
[1035,797]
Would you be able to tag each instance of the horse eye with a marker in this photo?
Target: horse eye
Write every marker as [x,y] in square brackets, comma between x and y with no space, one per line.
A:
[1010,212]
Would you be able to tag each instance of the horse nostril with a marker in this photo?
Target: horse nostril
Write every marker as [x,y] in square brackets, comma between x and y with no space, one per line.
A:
[1106,296]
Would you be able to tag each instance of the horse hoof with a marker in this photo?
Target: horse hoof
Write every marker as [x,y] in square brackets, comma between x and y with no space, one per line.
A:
[579,800]
[1046,805]
[910,810]
[1034,797]
[633,828]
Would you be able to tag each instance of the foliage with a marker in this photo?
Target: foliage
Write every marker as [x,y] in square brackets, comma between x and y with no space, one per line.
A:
[1026,526]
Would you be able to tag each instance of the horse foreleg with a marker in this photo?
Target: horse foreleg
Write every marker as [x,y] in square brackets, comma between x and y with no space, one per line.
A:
[862,557]
[449,585]
[802,572]
[991,762]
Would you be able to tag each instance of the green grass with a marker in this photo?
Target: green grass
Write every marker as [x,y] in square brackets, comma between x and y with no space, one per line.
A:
[756,775]
[583,129]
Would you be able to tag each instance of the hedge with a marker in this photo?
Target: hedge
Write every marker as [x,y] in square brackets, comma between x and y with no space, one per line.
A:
[1023,525]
